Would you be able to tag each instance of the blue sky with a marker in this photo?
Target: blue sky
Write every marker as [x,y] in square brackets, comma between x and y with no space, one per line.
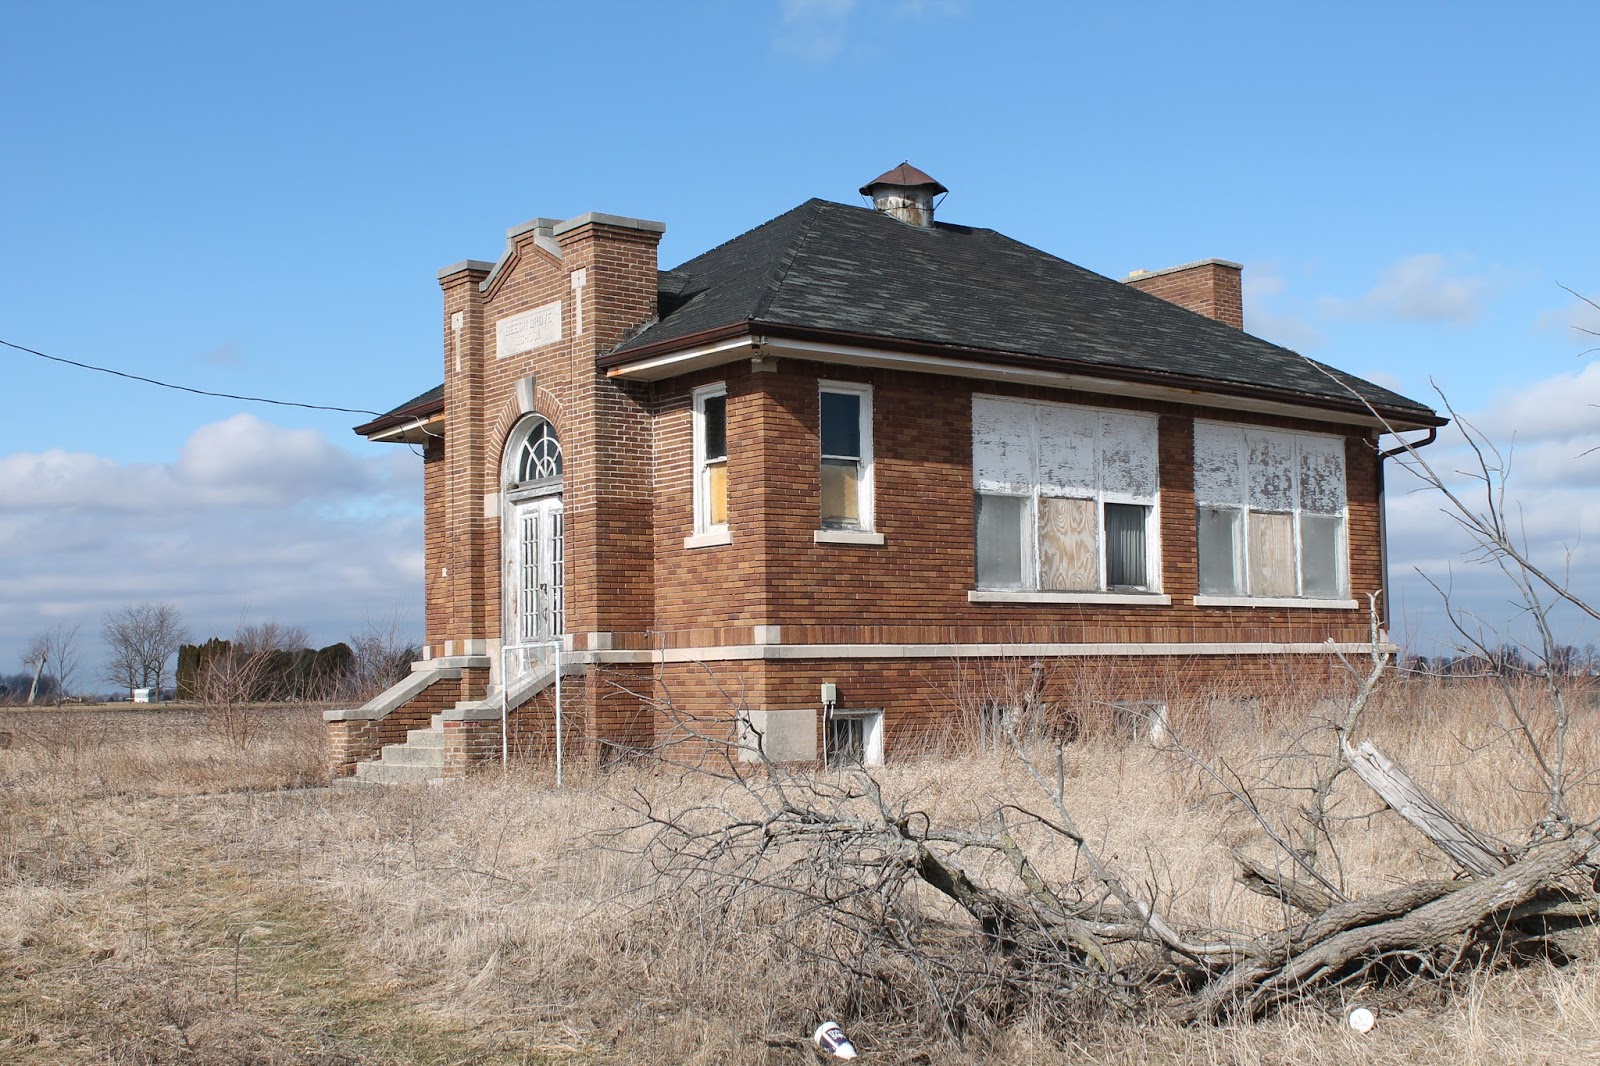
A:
[254,199]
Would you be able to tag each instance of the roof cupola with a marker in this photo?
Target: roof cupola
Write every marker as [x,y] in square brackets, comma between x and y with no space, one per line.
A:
[905,193]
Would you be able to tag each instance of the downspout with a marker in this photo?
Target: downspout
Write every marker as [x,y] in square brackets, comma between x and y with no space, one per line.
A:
[1383,509]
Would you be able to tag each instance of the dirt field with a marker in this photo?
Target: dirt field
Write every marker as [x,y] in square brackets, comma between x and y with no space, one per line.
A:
[165,897]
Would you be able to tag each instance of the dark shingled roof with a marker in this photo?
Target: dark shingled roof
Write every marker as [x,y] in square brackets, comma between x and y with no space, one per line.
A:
[857,272]
[865,278]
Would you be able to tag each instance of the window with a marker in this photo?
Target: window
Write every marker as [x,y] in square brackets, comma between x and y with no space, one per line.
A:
[539,456]
[1133,719]
[855,738]
[1271,512]
[1065,497]
[711,459]
[845,429]
[995,721]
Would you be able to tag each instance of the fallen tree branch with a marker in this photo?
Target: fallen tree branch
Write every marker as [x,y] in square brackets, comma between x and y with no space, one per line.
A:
[1474,852]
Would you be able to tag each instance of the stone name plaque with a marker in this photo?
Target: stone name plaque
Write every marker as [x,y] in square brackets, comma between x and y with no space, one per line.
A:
[527,331]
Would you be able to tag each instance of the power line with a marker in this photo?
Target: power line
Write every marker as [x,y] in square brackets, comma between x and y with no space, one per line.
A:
[185,388]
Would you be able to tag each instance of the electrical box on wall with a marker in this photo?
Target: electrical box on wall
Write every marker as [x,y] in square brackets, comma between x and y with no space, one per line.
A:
[830,692]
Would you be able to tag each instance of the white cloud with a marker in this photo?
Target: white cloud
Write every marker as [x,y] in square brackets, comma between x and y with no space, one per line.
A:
[819,31]
[802,10]
[1578,320]
[1562,408]
[1264,287]
[1421,288]
[933,8]
[1549,503]
[222,355]
[242,460]
[814,31]
[249,517]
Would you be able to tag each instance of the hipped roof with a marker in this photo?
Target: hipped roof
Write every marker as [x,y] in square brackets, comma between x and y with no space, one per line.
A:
[829,270]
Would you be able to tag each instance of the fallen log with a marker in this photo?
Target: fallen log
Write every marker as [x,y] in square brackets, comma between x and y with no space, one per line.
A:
[1322,955]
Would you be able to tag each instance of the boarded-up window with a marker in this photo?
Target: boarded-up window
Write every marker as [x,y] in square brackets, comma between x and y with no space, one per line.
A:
[1084,482]
[1069,545]
[1271,550]
[1271,512]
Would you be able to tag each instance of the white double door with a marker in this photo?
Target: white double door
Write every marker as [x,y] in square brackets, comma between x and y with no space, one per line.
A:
[535,579]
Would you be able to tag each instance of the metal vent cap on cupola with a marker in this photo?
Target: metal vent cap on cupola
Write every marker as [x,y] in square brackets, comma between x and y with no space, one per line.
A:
[905,193]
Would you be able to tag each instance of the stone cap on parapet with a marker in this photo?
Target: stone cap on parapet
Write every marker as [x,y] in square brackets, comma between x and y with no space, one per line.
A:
[474,265]
[599,218]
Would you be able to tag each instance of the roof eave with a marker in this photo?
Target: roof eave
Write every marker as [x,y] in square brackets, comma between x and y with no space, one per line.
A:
[726,344]
[421,414]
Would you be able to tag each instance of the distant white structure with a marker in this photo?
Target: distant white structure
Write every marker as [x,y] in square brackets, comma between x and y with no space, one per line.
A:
[146,695]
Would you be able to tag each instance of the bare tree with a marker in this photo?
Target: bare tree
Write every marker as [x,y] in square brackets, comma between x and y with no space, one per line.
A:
[54,653]
[142,638]
[269,636]
[226,687]
[380,656]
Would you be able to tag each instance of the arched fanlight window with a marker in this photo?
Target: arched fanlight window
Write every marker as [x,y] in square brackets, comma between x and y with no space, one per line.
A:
[539,457]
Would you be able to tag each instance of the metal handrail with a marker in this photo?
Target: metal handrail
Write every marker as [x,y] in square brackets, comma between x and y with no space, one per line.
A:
[558,645]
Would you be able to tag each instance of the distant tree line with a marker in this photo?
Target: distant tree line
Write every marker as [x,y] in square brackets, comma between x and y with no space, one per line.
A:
[279,674]
[1509,660]
[261,662]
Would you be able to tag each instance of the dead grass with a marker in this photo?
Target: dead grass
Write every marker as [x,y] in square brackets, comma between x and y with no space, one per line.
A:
[165,898]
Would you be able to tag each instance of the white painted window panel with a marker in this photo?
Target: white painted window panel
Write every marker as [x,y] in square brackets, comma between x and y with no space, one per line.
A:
[1002,446]
[1128,455]
[1218,472]
[1066,451]
[1322,475]
[1271,466]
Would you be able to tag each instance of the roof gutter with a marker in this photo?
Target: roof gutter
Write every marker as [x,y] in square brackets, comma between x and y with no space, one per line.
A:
[410,418]
[1410,445]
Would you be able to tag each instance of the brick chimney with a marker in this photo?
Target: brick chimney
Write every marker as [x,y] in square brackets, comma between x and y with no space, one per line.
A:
[1210,287]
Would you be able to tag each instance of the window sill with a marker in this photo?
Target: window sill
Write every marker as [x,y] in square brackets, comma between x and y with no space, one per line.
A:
[1275,601]
[1137,599]
[846,536]
[713,539]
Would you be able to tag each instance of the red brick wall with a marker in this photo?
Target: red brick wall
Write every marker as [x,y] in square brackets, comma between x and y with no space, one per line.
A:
[933,705]
[914,588]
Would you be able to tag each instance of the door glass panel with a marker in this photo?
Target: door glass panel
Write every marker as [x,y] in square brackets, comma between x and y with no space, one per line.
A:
[528,590]
[555,564]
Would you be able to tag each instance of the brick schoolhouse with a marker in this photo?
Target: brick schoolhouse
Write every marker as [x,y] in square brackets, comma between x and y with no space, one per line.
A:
[857,480]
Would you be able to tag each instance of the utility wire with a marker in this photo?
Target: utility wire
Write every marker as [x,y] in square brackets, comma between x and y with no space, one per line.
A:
[185,388]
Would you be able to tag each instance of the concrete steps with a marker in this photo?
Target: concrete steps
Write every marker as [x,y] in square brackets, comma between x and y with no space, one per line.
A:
[419,761]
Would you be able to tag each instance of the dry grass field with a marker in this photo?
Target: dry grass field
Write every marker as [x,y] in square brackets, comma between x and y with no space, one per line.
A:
[165,897]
